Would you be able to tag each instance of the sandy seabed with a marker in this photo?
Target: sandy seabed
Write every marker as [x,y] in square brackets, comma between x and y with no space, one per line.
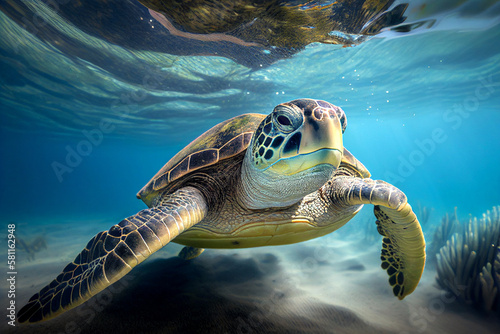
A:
[332,284]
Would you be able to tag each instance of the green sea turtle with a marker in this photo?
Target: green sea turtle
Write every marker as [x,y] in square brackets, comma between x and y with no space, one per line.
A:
[253,180]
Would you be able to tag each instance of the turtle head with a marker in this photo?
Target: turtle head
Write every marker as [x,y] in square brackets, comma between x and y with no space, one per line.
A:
[293,152]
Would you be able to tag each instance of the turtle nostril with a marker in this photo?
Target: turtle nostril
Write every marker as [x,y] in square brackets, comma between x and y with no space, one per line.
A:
[318,113]
[332,112]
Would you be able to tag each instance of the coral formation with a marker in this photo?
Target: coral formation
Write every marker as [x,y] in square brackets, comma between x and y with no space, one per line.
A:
[469,264]
[423,215]
[441,235]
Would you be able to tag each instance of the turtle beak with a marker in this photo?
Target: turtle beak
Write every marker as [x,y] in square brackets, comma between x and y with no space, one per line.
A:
[323,134]
[320,143]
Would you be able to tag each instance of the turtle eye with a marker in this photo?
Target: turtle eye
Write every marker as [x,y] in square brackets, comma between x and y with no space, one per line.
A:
[283,120]
[286,118]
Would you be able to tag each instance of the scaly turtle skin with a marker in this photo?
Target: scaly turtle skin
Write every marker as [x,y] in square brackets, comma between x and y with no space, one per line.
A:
[251,181]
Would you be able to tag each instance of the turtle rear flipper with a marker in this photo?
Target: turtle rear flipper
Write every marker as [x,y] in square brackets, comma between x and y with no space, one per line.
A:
[403,245]
[189,253]
[110,255]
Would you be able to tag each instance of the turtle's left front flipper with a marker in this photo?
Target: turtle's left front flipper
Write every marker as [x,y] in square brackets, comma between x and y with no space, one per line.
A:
[111,254]
[403,245]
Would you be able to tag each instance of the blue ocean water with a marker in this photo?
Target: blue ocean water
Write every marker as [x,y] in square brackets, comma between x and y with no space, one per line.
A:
[86,121]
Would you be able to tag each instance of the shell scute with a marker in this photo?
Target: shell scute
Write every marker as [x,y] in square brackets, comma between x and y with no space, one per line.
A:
[201,159]
[233,147]
[178,171]
[221,142]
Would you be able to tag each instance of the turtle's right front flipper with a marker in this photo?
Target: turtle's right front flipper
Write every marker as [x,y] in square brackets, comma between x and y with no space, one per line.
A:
[403,244]
[110,255]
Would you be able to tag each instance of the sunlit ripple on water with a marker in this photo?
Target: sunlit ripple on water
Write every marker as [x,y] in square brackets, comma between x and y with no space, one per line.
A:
[146,92]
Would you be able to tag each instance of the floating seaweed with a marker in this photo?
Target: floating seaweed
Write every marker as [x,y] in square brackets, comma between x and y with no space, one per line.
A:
[32,246]
[469,264]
